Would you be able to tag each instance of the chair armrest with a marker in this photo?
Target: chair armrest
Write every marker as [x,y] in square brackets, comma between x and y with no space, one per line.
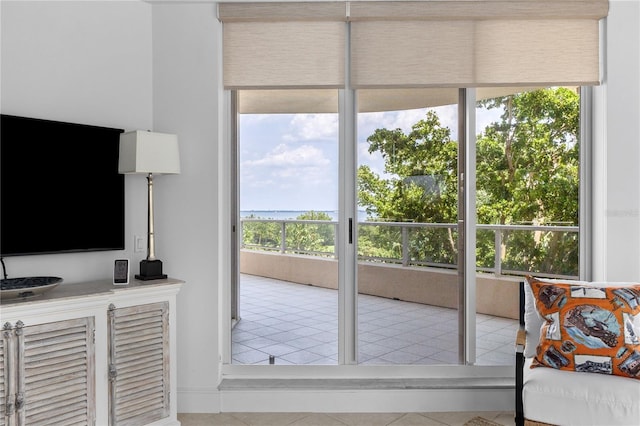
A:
[521,337]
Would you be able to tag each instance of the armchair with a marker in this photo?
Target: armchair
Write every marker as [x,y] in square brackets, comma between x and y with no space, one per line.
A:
[550,396]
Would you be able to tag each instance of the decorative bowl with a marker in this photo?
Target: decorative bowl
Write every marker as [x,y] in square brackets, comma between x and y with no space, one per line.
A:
[20,288]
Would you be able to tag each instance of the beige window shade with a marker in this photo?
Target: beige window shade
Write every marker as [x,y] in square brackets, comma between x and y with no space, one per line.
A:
[475,43]
[283,45]
[299,101]
[411,53]
[474,54]
[319,101]
[431,43]
[283,54]
[548,52]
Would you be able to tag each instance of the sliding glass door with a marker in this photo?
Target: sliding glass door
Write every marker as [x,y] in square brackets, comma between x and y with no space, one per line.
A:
[408,295]
[457,194]
[528,190]
[288,199]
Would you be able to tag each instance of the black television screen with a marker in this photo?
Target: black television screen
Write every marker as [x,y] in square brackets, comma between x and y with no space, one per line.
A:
[60,191]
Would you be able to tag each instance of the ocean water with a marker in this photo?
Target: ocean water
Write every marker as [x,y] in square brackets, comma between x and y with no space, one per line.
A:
[293,214]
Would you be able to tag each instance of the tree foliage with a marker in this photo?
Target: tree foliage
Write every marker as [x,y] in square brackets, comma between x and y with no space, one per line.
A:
[300,236]
[527,164]
[261,234]
[527,173]
[311,237]
[421,188]
[423,167]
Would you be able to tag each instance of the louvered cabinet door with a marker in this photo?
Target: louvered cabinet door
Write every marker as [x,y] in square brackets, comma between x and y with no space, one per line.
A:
[139,364]
[56,373]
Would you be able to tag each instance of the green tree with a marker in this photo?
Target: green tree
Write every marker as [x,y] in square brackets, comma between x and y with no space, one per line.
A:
[300,237]
[314,237]
[422,188]
[260,234]
[423,166]
[527,173]
[527,164]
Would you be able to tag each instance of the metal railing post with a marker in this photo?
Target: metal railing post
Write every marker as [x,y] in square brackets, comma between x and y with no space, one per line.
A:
[497,265]
[405,246]
[283,232]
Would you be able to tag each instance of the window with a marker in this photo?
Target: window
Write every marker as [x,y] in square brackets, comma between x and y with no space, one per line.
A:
[370,66]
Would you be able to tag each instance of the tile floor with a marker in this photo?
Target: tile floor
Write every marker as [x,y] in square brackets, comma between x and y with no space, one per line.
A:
[342,419]
[298,324]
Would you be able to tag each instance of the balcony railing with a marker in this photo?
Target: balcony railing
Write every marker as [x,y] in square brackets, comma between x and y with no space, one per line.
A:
[547,251]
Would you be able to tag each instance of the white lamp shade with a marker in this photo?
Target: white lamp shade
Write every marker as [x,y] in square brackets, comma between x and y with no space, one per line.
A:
[148,152]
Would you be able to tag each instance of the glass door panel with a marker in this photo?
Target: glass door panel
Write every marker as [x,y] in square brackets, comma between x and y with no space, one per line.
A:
[288,198]
[527,190]
[408,292]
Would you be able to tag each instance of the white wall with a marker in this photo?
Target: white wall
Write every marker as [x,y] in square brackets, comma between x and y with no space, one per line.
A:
[95,63]
[82,62]
[616,208]
[186,98]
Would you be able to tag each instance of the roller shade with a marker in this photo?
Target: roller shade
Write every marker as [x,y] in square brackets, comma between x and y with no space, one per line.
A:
[475,43]
[397,44]
[283,45]
[411,54]
[315,101]
[369,100]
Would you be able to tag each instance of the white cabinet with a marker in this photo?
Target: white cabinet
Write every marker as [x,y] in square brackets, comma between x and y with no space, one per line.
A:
[90,353]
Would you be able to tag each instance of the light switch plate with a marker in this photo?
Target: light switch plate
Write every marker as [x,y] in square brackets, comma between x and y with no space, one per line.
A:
[138,244]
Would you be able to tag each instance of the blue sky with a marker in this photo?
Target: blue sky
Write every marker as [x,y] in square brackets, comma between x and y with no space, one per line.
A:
[290,161]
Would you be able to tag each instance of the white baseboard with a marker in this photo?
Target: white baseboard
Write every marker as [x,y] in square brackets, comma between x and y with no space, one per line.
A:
[368,401]
[198,400]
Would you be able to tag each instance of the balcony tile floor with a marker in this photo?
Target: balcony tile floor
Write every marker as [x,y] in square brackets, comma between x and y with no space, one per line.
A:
[298,324]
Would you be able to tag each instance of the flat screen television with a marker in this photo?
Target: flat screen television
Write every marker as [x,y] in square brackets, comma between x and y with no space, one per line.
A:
[60,191]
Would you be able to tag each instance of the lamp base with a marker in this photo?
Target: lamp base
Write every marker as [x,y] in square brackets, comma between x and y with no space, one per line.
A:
[150,270]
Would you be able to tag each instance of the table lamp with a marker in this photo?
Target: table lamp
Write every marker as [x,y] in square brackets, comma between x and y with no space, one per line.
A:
[149,153]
